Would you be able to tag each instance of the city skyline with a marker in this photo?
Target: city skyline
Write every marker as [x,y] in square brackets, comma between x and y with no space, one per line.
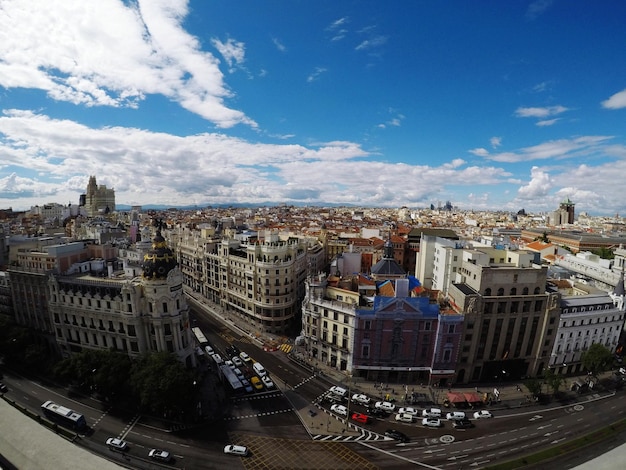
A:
[492,106]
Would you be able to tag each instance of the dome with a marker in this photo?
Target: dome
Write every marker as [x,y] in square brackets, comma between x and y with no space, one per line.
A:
[160,260]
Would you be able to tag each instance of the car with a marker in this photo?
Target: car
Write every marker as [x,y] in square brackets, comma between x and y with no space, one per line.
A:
[233,350]
[246,385]
[209,350]
[622,370]
[116,444]
[431,413]
[397,435]
[232,449]
[339,391]
[218,359]
[329,397]
[237,361]
[386,406]
[376,412]
[244,356]
[361,399]
[238,372]
[455,415]
[462,424]
[256,383]
[229,363]
[3,388]
[161,455]
[339,409]
[408,411]
[431,422]
[267,382]
[482,414]
[404,417]
[361,418]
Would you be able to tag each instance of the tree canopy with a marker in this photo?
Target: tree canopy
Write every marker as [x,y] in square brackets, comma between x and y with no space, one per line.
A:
[597,358]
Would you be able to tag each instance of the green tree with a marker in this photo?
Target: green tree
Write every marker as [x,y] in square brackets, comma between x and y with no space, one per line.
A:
[533,386]
[163,385]
[554,380]
[597,358]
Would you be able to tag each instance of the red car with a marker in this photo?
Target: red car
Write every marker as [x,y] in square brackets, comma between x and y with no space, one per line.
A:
[361,418]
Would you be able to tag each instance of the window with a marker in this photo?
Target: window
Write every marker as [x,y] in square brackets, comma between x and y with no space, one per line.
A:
[451,328]
[366,351]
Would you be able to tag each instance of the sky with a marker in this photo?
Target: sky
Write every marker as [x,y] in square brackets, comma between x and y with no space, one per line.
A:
[491,105]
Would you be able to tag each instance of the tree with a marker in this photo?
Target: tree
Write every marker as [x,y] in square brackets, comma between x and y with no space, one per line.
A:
[553,380]
[533,386]
[597,358]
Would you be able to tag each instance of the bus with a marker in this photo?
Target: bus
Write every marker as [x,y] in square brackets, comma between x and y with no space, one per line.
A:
[197,332]
[63,416]
[232,382]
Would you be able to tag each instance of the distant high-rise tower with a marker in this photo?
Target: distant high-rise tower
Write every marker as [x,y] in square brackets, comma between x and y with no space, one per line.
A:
[98,200]
[568,207]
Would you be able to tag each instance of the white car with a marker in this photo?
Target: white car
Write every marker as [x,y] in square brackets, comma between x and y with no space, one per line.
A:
[431,422]
[230,364]
[455,415]
[408,411]
[245,356]
[431,413]
[242,451]
[339,409]
[117,444]
[482,414]
[267,382]
[385,406]
[361,399]
[158,454]
[237,361]
[404,417]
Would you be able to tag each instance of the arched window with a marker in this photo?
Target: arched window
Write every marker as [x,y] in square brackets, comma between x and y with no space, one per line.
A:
[525,291]
[488,291]
[537,290]
[513,291]
[501,291]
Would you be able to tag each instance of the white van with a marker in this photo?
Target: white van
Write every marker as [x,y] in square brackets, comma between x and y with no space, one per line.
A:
[218,359]
[259,369]
[209,350]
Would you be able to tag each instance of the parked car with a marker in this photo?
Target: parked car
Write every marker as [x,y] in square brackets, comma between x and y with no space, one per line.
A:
[233,350]
[397,435]
[117,444]
[361,399]
[455,415]
[404,417]
[482,414]
[229,363]
[3,388]
[209,350]
[361,418]
[386,406]
[339,391]
[431,413]
[408,411]
[267,382]
[232,449]
[161,455]
[256,383]
[431,422]
[339,409]
[462,423]
[245,357]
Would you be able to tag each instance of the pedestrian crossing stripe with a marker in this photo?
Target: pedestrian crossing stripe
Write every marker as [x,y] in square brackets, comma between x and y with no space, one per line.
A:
[286,348]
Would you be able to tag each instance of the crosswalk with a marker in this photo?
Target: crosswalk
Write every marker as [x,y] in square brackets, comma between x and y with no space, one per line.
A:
[364,436]
[286,348]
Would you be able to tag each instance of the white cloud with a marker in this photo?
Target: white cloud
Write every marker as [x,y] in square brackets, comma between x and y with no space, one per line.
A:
[279,45]
[316,74]
[108,53]
[232,51]
[616,101]
[540,112]
[495,142]
[538,187]
[537,8]
[547,122]
[371,43]
[554,149]
[479,152]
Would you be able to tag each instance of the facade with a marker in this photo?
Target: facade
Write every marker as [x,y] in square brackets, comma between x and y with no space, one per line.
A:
[510,319]
[438,262]
[586,318]
[98,200]
[258,279]
[131,315]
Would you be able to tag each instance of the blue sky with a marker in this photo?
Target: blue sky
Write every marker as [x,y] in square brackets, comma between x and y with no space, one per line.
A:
[489,104]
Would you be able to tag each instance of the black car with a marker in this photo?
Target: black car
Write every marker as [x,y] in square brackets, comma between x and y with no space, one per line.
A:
[3,388]
[233,350]
[377,412]
[397,435]
[463,424]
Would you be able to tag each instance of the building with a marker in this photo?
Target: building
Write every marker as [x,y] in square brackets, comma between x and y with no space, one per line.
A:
[132,315]
[564,214]
[377,327]
[510,319]
[98,200]
[588,316]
